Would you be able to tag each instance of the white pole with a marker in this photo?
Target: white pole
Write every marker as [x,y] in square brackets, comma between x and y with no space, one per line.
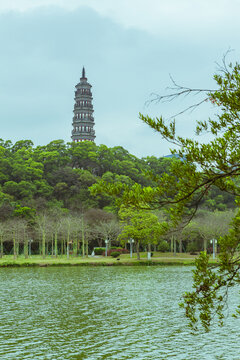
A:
[106,241]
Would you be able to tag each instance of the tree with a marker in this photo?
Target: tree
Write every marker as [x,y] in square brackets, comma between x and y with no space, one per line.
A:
[206,165]
[93,221]
[96,216]
[3,230]
[83,155]
[6,210]
[108,230]
[16,233]
[212,225]
[203,166]
[140,225]
[67,225]
[43,227]
[26,144]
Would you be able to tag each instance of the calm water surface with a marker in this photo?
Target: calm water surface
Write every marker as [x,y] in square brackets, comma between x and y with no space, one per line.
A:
[104,313]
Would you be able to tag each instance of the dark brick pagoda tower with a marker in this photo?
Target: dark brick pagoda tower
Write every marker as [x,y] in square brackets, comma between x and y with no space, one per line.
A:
[83,120]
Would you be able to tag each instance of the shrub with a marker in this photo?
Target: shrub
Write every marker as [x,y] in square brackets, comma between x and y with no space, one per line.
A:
[99,250]
[115,254]
[118,249]
[123,251]
[163,246]
[192,248]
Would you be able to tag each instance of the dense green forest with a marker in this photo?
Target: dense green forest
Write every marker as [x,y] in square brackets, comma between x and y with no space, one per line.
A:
[59,175]
[44,194]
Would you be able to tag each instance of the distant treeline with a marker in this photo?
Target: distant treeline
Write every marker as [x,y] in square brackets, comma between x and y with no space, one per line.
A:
[59,175]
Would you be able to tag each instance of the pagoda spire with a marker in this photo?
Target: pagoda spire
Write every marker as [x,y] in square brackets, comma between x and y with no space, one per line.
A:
[83,72]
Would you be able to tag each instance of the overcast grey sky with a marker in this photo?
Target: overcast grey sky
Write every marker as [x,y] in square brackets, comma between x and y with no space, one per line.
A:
[128,48]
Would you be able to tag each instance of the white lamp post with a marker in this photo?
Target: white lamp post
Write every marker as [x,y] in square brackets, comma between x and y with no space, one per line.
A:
[213,242]
[131,241]
[149,255]
[106,242]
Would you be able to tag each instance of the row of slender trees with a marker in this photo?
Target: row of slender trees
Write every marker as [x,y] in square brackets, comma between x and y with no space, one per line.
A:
[55,236]
[63,234]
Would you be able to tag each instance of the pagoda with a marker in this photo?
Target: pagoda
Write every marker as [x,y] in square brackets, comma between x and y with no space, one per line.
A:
[83,120]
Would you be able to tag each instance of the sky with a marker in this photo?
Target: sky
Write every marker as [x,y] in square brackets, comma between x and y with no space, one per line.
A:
[129,49]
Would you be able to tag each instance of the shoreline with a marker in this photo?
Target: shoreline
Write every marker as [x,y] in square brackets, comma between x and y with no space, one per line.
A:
[94,264]
[37,261]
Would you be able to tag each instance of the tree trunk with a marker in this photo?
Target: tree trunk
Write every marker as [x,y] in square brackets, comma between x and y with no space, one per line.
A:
[56,245]
[52,246]
[40,247]
[43,245]
[62,247]
[17,248]
[68,250]
[180,245]
[138,253]
[86,247]
[25,250]
[75,246]
[14,246]
[205,245]
[174,246]
[83,244]
[68,236]
[78,245]
[1,247]
[65,246]
[171,244]
[30,247]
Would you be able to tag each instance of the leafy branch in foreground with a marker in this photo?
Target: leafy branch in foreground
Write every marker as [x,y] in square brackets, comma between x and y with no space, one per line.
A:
[211,284]
[199,167]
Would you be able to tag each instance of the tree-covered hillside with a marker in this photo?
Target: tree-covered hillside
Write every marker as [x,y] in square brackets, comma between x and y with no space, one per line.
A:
[59,175]
[45,198]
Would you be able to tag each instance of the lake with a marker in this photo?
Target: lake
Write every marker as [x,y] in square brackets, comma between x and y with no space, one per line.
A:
[105,313]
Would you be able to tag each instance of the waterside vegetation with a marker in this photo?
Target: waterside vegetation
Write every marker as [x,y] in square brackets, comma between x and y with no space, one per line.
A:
[123,260]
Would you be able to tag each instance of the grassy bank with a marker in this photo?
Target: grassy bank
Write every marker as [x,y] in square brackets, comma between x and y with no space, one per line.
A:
[157,259]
